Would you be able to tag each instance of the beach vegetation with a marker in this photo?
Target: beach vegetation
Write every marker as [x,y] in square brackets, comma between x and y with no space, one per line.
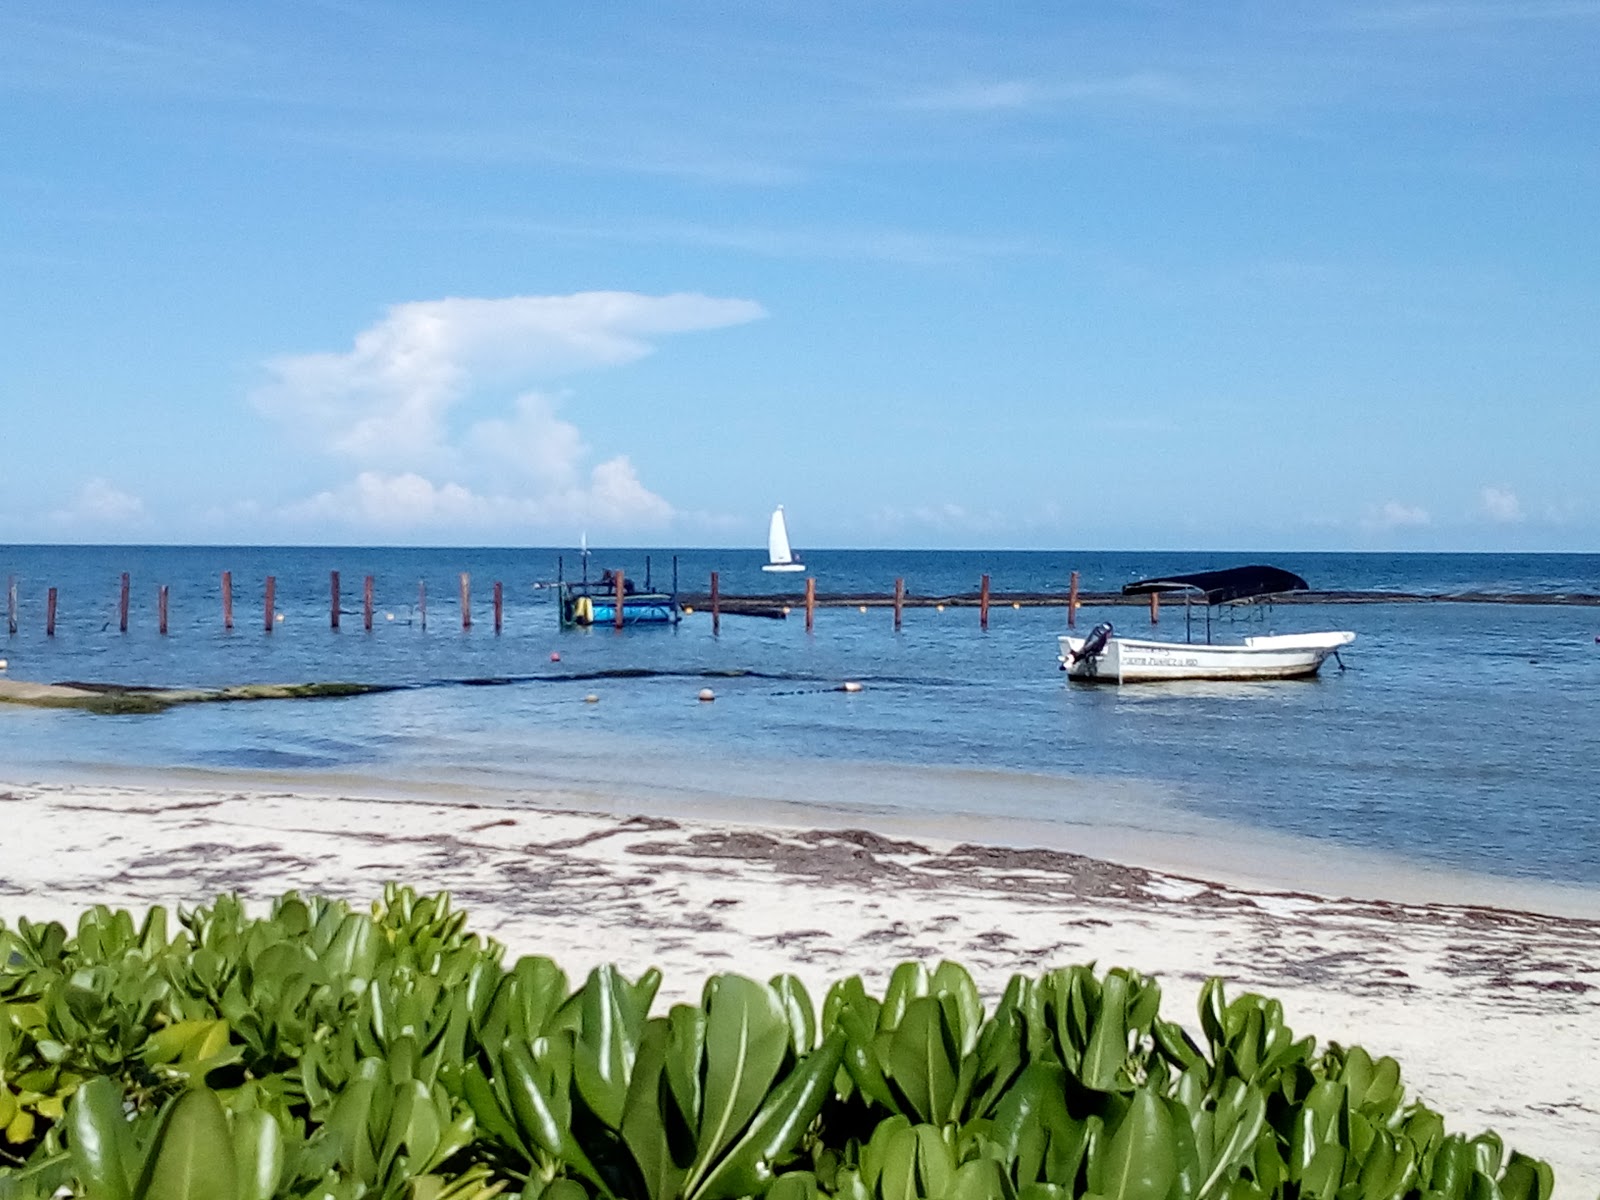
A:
[321,1050]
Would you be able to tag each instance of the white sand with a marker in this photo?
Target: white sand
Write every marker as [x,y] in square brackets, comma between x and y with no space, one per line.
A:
[1493,1014]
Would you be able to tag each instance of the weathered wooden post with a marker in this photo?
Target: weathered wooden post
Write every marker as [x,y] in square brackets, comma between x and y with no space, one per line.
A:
[1072,600]
[271,606]
[716,607]
[983,603]
[227,599]
[161,610]
[466,600]
[50,613]
[1155,608]
[499,605]
[333,599]
[366,603]
[122,605]
[422,602]
[621,592]
[811,603]
[11,605]
[899,601]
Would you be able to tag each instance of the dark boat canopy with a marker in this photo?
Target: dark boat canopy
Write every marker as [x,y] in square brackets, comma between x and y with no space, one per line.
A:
[1225,586]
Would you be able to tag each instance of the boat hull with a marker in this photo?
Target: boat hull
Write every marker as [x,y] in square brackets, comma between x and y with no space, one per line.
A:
[788,566]
[1135,660]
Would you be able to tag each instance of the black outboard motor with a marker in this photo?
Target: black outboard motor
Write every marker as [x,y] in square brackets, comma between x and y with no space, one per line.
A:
[1095,643]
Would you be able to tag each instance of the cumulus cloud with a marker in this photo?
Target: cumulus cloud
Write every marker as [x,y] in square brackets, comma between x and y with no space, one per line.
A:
[1395,515]
[611,495]
[99,503]
[391,406]
[1500,505]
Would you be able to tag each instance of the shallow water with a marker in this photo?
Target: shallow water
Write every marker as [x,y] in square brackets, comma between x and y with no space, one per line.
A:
[1461,735]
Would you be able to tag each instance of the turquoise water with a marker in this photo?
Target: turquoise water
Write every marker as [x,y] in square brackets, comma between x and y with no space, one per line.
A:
[1461,735]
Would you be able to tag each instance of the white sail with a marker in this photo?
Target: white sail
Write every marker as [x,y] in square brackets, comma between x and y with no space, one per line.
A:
[778,539]
[779,556]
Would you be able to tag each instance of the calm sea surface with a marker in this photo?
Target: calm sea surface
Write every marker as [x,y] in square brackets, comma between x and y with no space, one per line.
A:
[1461,735]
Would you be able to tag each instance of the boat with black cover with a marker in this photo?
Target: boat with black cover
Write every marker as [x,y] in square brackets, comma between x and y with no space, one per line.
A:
[1103,657]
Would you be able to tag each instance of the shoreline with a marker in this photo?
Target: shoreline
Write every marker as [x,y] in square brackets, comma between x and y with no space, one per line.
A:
[1103,817]
[1494,1014]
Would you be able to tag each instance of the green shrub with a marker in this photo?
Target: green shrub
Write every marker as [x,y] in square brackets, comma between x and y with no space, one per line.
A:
[320,1051]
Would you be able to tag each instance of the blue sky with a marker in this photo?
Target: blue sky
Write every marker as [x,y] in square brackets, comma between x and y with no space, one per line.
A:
[1146,275]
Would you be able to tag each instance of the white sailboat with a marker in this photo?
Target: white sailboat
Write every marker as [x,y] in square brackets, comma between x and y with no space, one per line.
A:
[779,556]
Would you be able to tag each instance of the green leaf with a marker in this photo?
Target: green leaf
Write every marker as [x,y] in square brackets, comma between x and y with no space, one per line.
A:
[1527,1179]
[608,1041]
[192,1157]
[1139,1162]
[908,981]
[101,1140]
[646,1128]
[259,1154]
[746,1040]
[787,1113]
[1107,1050]
[798,1011]
[923,1060]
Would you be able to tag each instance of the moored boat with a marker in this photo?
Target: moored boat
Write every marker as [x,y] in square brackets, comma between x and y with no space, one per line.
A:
[1102,657]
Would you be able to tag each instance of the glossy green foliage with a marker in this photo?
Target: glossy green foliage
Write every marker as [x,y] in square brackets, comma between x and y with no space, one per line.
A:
[324,1051]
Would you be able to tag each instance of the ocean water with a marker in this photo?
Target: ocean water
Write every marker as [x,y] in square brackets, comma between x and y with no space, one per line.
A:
[1461,736]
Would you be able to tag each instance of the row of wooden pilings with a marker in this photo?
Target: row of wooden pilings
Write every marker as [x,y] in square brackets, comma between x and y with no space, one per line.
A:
[270,614]
[900,603]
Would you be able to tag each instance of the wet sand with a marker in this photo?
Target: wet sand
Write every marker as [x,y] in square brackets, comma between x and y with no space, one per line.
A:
[1493,1012]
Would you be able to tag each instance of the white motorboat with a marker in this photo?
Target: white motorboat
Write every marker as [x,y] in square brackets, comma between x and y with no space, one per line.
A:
[1102,657]
[779,555]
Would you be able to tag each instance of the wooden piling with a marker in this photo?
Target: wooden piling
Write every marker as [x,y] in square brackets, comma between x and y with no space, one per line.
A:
[466,600]
[716,607]
[499,606]
[227,599]
[983,602]
[899,601]
[11,605]
[366,603]
[1155,608]
[333,599]
[122,605]
[422,602]
[161,610]
[271,606]
[811,603]
[621,592]
[1072,600]
[50,613]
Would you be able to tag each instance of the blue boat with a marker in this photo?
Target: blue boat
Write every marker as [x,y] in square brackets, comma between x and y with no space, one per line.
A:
[585,602]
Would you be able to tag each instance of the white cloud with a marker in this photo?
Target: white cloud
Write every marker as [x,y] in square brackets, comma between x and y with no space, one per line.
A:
[1500,505]
[1394,515]
[611,496]
[99,503]
[386,405]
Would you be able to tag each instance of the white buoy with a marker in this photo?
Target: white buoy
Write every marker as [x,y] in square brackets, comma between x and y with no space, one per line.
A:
[388,616]
[850,685]
[279,618]
[706,694]
[863,608]
[591,698]
[3,661]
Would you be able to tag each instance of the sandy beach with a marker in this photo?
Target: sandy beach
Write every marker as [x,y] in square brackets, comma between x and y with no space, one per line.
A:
[1493,1014]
